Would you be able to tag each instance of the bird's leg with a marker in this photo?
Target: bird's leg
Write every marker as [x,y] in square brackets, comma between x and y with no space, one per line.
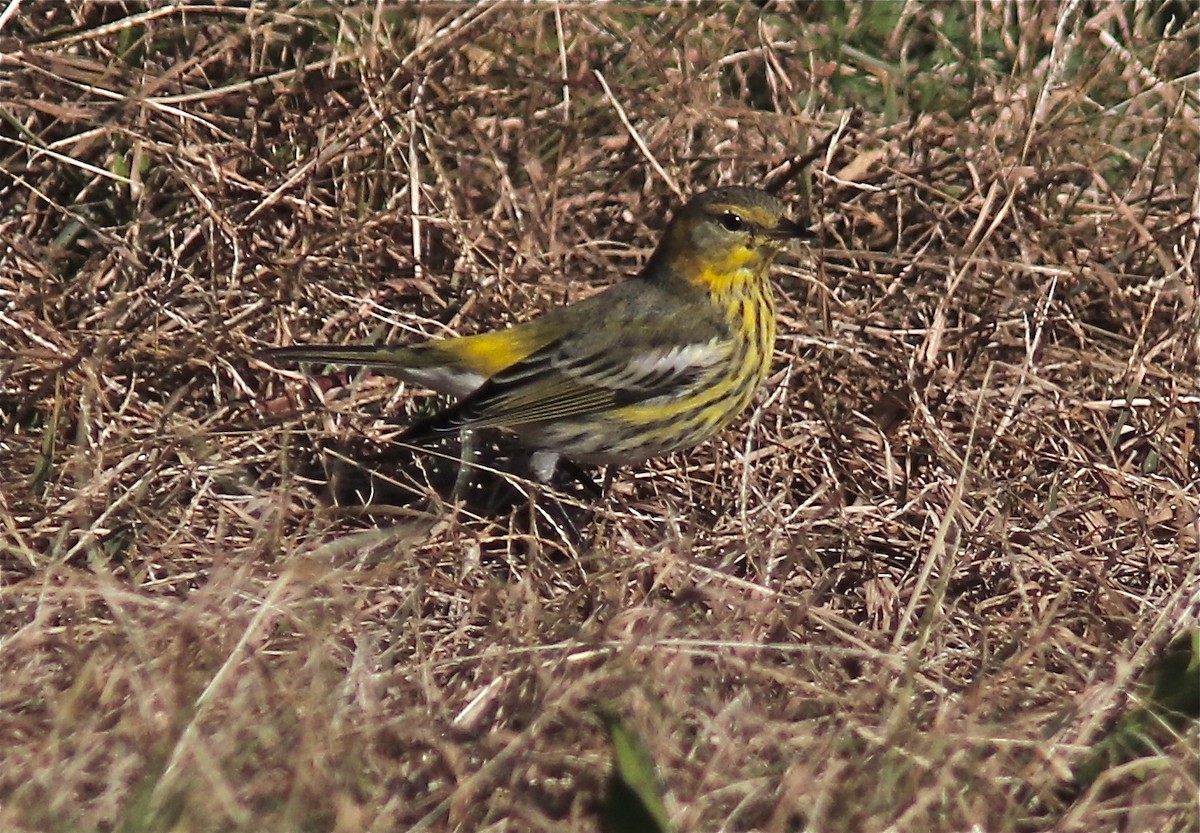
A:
[466,463]
[610,471]
[595,518]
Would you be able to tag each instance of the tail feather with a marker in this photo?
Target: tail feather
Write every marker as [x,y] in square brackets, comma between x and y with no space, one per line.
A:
[415,366]
[356,355]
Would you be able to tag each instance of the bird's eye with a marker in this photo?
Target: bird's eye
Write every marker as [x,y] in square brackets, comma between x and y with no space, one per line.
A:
[732,222]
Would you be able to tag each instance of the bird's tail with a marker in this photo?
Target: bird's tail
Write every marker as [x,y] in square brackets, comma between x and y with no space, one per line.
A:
[355,355]
[415,365]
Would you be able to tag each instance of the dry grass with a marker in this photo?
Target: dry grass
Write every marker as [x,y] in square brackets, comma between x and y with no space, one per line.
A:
[906,593]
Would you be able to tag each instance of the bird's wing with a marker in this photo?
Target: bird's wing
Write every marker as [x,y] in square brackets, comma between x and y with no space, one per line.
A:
[563,380]
[564,383]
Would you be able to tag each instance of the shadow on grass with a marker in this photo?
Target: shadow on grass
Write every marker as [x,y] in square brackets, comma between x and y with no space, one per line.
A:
[380,481]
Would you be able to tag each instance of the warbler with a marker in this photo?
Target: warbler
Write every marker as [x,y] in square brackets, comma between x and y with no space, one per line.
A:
[658,362]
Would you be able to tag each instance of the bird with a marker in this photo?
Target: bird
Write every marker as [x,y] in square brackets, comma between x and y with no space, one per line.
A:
[658,362]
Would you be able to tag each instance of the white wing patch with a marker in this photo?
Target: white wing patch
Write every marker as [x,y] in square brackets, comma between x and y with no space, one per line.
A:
[665,367]
[678,359]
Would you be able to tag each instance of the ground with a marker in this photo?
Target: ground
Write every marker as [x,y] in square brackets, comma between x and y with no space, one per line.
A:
[908,591]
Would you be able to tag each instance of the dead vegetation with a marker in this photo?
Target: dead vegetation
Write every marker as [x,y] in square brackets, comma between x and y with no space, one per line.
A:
[906,593]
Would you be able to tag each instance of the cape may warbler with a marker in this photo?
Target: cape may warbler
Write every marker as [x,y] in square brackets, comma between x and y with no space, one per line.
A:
[655,363]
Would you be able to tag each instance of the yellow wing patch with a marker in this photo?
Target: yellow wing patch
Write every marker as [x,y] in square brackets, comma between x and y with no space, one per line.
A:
[489,353]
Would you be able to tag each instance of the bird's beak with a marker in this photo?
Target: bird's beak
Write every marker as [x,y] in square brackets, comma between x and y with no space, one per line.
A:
[789,229]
